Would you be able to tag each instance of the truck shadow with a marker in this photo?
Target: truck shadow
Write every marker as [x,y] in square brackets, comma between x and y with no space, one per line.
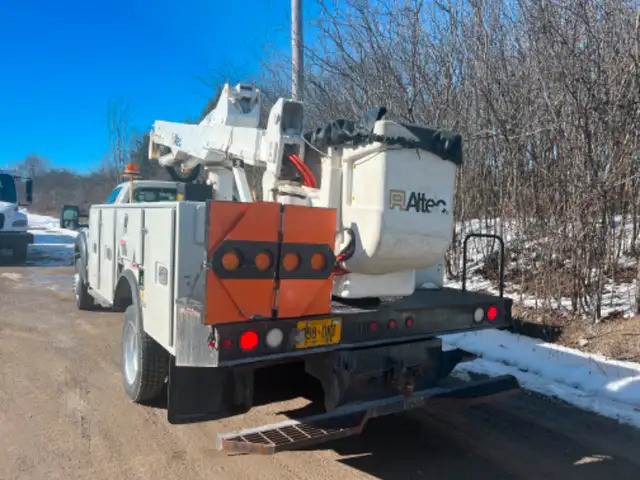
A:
[488,441]
[518,436]
[521,435]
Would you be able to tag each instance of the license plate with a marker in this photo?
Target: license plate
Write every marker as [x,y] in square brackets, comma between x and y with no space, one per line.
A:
[315,333]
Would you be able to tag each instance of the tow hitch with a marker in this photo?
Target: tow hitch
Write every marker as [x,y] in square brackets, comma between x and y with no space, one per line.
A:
[351,419]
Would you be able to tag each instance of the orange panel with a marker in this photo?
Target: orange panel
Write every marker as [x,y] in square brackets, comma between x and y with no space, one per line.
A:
[309,225]
[301,297]
[240,299]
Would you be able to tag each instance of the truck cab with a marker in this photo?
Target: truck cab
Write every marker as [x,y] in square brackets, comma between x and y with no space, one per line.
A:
[147,191]
[13,222]
[143,191]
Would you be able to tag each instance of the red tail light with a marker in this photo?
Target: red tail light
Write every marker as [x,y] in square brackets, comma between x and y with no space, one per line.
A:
[249,340]
[492,313]
[409,322]
[226,343]
[373,326]
[392,323]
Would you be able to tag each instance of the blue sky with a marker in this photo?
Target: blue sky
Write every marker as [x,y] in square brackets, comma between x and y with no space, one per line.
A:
[63,61]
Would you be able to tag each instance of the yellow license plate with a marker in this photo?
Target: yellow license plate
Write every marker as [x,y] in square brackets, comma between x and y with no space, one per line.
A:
[315,333]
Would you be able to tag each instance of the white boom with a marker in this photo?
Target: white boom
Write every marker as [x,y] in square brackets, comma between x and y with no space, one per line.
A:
[393,190]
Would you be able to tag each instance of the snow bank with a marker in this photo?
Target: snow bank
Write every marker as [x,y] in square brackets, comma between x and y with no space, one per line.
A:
[592,382]
[52,245]
[616,297]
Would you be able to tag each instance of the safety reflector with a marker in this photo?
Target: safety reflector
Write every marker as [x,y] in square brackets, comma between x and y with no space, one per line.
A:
[268,260]
[307,232]
[236,288]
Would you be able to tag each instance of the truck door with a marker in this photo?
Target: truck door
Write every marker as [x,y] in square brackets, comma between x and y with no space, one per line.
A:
[159,239]
[107,253]
[94,250]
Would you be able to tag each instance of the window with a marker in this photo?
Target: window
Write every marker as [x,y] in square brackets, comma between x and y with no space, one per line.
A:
[114,195]
[7,189]
[154,194]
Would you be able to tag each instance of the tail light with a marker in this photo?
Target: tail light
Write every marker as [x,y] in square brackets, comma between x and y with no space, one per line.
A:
[249,340]
[492,313]
[409,322]
[373,326]
[392,323]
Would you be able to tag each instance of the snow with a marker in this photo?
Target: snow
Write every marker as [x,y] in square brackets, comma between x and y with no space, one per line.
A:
[618,297]
[52,245]
[591,382]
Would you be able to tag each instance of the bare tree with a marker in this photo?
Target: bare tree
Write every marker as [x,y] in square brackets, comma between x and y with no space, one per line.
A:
[119,142]
[33,165]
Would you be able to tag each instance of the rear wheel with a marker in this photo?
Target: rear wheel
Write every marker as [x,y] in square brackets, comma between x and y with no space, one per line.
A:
[145,364]
[84,300]
[20,254]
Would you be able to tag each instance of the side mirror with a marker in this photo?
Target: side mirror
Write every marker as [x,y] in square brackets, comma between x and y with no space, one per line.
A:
[70,217]
[29,189]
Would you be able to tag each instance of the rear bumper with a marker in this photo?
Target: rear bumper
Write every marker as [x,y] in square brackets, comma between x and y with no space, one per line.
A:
[15,239]
[423,315]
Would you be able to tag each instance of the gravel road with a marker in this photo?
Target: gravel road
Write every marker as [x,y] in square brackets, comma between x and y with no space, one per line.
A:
[64,415]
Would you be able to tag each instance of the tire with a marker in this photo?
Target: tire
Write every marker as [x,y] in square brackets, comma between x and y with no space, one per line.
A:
[145,364]
[84,300]
[20,254]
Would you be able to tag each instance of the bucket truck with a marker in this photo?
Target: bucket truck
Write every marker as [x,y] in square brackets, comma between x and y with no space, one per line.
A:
[324,248]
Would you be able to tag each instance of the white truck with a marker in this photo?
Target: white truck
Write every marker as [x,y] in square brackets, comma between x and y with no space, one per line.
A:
[337,266]
[13,222]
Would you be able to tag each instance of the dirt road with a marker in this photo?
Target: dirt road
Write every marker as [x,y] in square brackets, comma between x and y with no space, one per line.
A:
[63,414]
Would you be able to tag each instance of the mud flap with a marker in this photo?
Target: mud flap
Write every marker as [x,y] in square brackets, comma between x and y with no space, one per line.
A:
[195,394]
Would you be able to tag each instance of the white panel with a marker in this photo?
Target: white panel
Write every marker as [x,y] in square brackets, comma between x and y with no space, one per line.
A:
[94,251]
[107,253]
[191,250]
[129,235]
[158,273]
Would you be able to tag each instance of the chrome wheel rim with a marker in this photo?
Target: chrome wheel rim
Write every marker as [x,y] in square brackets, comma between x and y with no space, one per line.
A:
[130,353]
[76,285]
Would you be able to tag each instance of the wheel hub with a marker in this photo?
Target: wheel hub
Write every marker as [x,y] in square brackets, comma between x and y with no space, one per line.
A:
[76,285]
[130,353]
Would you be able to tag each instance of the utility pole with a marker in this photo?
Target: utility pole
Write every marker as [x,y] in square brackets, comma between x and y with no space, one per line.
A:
[297,55]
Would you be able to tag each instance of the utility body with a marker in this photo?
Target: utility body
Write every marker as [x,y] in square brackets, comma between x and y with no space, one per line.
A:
[14,233]
[332,257]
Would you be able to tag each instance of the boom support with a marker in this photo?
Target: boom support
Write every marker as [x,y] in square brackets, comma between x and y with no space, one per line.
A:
[229,137]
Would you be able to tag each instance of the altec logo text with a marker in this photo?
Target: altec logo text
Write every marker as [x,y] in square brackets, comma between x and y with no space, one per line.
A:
[416,201]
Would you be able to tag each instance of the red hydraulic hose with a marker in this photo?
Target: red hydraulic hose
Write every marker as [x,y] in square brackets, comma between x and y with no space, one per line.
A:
[309,179]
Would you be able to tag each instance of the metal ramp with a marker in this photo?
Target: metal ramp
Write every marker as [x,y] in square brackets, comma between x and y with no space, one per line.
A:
[351,419]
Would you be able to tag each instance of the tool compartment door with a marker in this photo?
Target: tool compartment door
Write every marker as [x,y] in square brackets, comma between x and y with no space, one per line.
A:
[157,291]
[94,247]
[107,253]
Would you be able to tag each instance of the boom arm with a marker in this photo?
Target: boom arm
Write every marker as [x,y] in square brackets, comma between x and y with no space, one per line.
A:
[229,137]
